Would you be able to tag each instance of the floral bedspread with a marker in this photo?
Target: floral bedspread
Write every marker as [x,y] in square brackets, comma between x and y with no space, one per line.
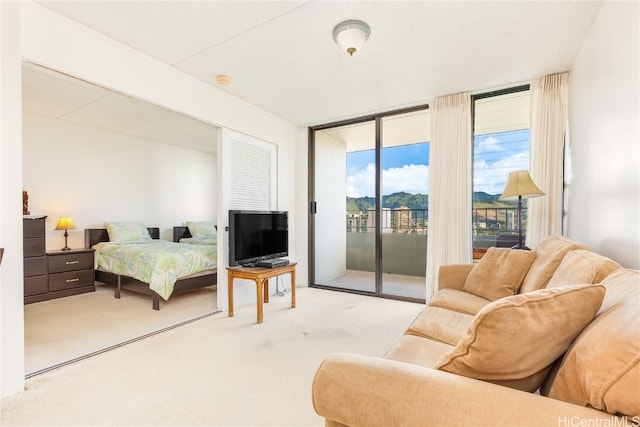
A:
[159,263]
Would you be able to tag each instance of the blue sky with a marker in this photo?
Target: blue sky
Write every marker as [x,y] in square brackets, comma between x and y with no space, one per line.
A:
[405,168]
[392,156]
[496,155]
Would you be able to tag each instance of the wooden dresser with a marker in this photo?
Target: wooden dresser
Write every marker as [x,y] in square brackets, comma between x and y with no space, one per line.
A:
[53,274]
[35,259]
[70,272]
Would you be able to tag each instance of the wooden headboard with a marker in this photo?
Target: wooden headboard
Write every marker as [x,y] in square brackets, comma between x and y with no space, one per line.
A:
[93,236]
[180,231]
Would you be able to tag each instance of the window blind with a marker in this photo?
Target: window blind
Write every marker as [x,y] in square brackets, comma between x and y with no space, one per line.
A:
[502,113]
[251,176]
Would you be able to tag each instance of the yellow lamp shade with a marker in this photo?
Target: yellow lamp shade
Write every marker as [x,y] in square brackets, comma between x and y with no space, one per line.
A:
[520,183]
[65,223]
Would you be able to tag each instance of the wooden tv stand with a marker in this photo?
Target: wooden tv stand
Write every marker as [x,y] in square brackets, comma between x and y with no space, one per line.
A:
[261,276]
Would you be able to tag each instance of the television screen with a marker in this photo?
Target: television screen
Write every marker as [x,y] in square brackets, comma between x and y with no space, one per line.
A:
[257,235]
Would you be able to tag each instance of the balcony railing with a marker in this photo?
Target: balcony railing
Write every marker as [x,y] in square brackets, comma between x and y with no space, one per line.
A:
[487,222]
[404,240]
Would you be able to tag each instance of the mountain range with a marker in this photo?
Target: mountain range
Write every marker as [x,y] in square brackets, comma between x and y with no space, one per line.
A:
[421,201]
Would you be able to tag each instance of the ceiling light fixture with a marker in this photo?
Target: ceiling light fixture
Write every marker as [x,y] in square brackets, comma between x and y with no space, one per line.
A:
[351,35]
[223,80]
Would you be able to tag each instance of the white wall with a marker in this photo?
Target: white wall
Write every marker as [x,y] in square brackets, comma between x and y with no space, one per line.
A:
[42,37]
[95,176]
[11,287]
[604,198]
[331,197]
[63,45]
[301,191]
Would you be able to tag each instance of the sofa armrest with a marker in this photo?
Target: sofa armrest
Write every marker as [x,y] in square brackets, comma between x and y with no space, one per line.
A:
[452,276]
[358,390]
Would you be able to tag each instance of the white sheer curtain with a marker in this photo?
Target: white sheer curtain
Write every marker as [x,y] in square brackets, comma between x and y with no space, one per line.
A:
[450,189]
[548,111]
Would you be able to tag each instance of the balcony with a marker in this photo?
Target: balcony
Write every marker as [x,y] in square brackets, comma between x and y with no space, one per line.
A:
[404,237]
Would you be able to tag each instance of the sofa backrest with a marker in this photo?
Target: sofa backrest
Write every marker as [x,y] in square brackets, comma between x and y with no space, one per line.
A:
[601,368]
[582,266]
[550,253]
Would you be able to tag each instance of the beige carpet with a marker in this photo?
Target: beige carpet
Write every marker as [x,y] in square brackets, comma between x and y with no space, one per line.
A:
[64,329]
[392,284]
[218,370]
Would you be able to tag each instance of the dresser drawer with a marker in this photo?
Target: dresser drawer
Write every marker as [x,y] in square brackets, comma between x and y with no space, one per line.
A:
[35,285]
[35,266]
[71,261]
[71,279]
[33,247]
[32,228]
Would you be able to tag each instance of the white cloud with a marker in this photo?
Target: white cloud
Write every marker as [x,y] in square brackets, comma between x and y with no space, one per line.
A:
[362,182]
[488,145]
[492,178]
[409,178]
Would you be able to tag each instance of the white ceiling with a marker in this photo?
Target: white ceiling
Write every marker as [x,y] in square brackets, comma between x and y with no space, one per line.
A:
[51,94]
[282,57]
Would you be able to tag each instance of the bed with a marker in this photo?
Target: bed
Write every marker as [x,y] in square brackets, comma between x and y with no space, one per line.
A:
[113,273]
[196,232]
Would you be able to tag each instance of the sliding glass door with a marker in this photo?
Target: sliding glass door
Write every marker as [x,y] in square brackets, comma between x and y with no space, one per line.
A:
[405,213]
[369,205]
[344,216]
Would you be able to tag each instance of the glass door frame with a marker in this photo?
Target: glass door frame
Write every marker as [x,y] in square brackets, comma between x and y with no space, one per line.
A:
[377,119]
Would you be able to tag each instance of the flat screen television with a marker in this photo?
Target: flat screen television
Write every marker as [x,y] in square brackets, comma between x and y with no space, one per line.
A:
[257,235]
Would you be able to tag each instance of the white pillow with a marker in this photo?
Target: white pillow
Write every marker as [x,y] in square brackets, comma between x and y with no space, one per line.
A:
[120,232]
[202,229]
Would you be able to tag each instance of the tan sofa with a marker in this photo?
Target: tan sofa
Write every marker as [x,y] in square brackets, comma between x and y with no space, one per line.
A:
[546,339]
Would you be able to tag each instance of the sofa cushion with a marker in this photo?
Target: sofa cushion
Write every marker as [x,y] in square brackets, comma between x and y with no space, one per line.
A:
[601,369]
[461,301]
[440,324]
[499,273]
[515,338]
[550,252]
[417,350]
[452,276]
[582,266]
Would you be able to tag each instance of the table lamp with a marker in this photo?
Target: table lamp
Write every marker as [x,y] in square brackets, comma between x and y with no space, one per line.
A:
[520,184]
[65,223]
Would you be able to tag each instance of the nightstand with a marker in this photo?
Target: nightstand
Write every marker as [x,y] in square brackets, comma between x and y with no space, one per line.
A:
[70,272]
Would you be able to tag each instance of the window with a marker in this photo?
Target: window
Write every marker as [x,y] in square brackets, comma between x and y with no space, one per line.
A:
[500,146]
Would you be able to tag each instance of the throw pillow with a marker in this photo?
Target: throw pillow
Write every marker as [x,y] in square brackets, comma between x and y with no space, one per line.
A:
[120,232]
[551,250]
[499,273]
[601,369]
[513,339]
[582,266]
[202,229]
